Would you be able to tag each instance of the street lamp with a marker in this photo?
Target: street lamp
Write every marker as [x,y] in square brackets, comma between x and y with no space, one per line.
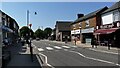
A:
[31,50]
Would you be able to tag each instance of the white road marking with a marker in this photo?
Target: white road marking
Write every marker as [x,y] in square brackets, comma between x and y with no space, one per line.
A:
[46,60]
[95,58]
[57,47]
[78,53]
[40,49]
[65,46]
[49,48]
[103,51]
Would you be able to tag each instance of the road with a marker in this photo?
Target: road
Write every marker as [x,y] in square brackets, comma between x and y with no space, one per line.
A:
[57,54]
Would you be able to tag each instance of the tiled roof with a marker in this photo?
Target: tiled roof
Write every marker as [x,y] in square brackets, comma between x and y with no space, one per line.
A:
[90,15]
[115,6]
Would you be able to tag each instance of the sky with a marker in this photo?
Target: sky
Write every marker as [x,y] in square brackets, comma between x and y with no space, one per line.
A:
[49,12]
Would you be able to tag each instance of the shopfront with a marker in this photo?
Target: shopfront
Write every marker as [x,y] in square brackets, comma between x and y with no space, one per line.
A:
[106,35]
[75,35]
[87,35]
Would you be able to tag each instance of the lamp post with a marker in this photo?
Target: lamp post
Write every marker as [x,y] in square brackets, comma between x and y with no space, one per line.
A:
[31,50]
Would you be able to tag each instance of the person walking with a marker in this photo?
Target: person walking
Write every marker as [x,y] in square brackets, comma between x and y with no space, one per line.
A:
[109,44]
[92,42]
[75,40]
[95,42]
[66,39]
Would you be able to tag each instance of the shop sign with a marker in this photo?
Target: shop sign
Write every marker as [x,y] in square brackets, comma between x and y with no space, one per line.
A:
[75,31]
[106,26]
[89,30]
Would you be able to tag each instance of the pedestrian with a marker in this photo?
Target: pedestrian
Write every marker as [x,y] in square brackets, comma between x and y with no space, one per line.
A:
[66,39]
[95,42]
[92,42]
[75,40]
[109,44]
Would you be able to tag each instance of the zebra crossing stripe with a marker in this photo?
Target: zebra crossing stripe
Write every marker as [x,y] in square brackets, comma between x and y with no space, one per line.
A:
[49,48]
[40,49]
[57,47]
[65,46]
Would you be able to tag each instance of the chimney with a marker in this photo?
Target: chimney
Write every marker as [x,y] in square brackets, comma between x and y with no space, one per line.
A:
[80,15]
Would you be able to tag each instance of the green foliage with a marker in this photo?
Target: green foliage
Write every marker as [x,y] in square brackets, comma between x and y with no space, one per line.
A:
[24,31]
[39,33]
[43,34]
[47,32]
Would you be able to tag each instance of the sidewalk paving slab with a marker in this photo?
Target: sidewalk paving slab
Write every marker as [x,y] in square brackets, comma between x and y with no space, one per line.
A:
[20,58]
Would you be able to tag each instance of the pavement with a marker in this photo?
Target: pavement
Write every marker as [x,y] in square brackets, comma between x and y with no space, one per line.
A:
[58,54]
[20,57]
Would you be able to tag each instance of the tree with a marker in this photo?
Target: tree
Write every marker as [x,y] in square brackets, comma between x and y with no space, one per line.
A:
[39,33]
[47,32]
[25,31]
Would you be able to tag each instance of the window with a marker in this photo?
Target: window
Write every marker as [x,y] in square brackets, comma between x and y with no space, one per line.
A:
[87,23]
[116,16]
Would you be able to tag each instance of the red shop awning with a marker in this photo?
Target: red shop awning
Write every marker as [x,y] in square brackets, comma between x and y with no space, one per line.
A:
[105,31]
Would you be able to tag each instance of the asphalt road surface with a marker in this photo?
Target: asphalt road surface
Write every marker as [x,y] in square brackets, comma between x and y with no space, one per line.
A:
[57,54]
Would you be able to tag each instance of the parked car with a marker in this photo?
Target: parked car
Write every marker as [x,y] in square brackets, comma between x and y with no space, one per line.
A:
[37,39]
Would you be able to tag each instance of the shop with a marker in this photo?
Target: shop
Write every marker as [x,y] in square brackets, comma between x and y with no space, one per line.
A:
[75,35]
[87,35]
[104,35]
[108,31]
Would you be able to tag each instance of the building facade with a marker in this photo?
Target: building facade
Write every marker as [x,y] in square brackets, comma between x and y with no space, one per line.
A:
[75,30]
[109,29]
[87,25]
[63,30]
[9,28]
